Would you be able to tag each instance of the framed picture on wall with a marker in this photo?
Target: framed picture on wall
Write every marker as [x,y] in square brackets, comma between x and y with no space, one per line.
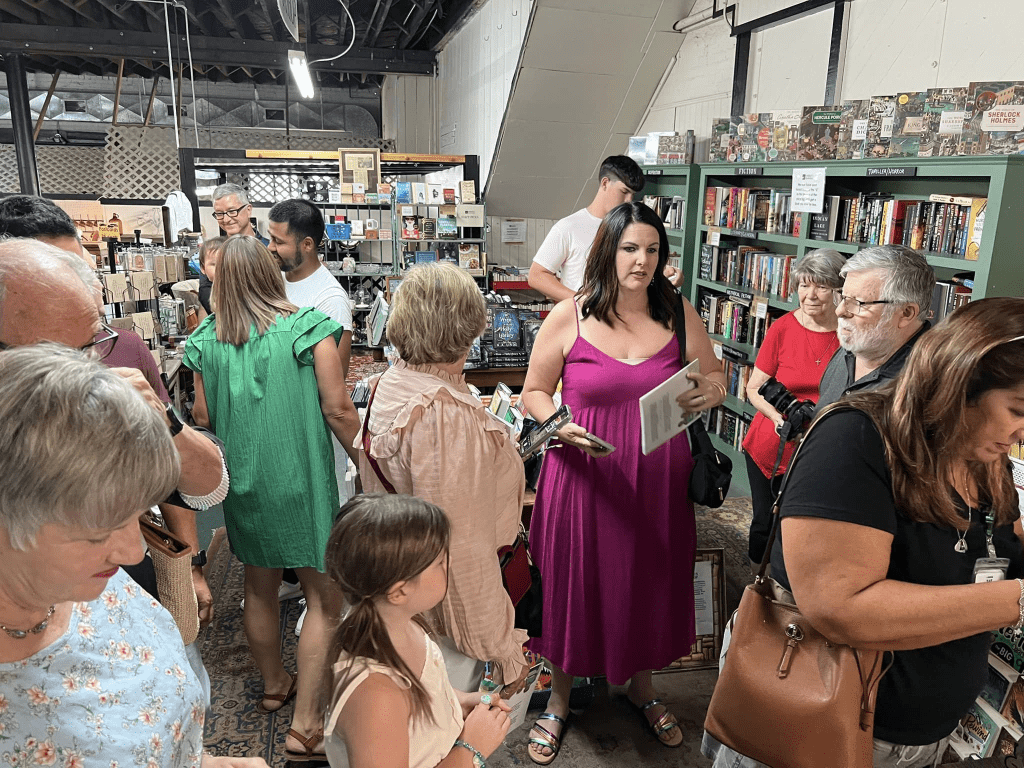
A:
[360,166]
[709,605]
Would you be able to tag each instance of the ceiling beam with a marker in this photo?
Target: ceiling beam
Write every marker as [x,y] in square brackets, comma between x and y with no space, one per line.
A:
[109,44]
[19,10]
[377,19]
[419,16]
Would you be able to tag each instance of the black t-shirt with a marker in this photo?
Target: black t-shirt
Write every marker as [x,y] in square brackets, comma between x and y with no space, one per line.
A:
[205,289]
[841,474]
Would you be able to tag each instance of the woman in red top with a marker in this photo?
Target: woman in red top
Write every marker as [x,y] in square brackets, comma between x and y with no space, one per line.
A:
[795,351]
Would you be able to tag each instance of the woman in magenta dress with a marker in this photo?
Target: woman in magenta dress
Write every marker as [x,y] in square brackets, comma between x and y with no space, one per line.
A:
[614,535]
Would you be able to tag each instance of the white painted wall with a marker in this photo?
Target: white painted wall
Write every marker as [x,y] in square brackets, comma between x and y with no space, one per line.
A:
[476,69]
[409,113]
[909,45]
[698,86]
[515,254]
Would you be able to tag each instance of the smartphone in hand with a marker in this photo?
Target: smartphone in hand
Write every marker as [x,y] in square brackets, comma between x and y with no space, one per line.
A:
[602,447]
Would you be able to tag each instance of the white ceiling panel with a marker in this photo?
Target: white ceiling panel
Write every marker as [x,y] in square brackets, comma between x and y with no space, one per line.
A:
[664,46]
[570,41]
[553,149]
[637,8]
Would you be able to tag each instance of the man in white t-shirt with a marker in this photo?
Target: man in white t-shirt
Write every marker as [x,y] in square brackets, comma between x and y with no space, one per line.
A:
[567,245]
[296,228]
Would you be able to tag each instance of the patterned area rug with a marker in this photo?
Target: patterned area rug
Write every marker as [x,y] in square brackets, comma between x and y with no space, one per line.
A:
[361,366]
[236,727]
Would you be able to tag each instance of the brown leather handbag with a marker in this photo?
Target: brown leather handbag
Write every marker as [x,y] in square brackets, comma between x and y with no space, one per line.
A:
[787,696]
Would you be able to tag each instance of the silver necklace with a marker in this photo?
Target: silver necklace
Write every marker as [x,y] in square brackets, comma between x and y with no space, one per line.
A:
[21,634]
[961,545]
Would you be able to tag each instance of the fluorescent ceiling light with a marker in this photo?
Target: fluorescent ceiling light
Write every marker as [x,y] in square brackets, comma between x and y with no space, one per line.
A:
[300,71]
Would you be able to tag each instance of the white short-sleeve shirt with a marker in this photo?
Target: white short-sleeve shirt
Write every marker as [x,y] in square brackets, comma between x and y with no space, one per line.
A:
[567,247]
[322,291]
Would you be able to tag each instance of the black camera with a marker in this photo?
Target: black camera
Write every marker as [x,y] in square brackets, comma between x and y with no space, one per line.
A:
[797,413]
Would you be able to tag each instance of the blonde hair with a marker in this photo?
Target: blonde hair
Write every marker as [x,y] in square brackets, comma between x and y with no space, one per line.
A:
[249,290]
[79,447]
[213,245]
[436,314]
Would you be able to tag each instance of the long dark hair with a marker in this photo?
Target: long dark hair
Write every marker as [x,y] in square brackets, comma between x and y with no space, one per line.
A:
[600,280]
[922,414]
[378,540]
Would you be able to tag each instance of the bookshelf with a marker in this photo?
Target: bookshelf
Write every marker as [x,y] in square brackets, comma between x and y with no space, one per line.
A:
[677,181]
[997,271]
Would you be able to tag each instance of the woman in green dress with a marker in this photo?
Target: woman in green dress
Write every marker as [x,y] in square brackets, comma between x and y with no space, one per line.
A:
[269,383]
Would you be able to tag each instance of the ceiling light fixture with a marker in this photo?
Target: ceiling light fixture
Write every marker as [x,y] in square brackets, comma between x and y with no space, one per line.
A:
[300,71]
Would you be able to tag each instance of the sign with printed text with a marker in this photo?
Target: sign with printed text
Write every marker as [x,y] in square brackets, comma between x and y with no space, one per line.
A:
[1009,117]
[952,122]
[513,231]
[808,190]
[714,236]
[860,130]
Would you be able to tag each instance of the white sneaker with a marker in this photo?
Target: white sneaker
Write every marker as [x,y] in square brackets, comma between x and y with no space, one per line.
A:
[284,592]
[302,618]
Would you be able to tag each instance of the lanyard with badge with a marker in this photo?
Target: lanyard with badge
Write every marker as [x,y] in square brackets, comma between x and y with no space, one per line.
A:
[991,568]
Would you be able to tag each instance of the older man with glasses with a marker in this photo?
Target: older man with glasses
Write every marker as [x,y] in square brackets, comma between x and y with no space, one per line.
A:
[882,309]
[232,210]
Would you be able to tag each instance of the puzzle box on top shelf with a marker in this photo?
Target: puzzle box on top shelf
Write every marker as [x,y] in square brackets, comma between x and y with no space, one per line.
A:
[784,128]
[944,113]
[720,135]
[754,136]
[853,129]
[995,119]
[881,122]
[819,133]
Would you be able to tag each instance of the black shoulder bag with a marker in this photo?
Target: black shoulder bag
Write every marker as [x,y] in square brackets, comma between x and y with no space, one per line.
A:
[712,469]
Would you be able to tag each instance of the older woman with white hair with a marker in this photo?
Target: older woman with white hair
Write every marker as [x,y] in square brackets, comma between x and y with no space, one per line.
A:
[796,351]
[427,436]
[92,669]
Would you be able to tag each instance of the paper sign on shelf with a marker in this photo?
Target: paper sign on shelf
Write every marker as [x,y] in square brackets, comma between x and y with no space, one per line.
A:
[714,236]
[717,347]
[808,190]
[703,597]
[760,309]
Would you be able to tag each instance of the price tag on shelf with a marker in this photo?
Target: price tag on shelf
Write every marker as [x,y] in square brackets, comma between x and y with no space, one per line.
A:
[714,236]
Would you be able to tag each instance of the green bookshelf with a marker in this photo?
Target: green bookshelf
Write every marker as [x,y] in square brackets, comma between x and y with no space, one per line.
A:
[997,271]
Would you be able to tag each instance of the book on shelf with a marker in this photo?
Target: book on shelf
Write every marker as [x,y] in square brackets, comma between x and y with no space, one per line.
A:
[994,124]
[819,132]
[651,147]
[636,148]
[823,226]
[425,257]
[947,111]
[358,193]
[384,189]
[357,229]
[670,209]
[469,256]
[385,234]
[881,122]
[448,196]
[1001,677]
[671,150]
[784,134]
[373,198]
[718,151]
[853,129]
[447,226]
[981,727]
[403,192]
[908,124]
[435,194]
[419,193]
[428,228]
[947,297]
[371,229]
[467,191]
[410,228]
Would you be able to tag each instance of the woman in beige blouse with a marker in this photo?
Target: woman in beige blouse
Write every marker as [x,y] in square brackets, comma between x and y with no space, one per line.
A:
[429,437]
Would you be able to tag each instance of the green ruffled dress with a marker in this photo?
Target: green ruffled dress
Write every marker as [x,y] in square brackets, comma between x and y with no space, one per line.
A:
[264,404]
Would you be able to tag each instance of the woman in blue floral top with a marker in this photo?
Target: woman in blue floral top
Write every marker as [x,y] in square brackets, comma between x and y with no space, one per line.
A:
[92,669]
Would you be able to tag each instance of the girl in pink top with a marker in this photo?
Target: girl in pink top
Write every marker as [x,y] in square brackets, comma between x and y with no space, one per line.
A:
[389,555]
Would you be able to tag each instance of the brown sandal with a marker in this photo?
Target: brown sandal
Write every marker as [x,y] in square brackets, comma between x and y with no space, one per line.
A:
[284,698]
[307,742]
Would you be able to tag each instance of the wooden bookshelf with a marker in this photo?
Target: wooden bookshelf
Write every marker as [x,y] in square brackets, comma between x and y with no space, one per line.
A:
[997,271]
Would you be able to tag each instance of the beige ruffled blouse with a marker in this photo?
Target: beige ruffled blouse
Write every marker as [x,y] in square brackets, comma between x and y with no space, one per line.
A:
[432,439]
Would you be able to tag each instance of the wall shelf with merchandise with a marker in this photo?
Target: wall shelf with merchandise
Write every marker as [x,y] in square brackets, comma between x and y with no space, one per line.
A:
[964,214]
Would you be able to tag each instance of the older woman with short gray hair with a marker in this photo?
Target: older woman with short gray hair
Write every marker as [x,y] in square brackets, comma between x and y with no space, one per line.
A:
[427,436]
[92,669]
[795,352]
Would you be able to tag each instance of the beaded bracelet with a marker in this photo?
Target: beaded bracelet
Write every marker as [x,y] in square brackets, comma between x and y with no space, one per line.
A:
[1019,626]
[478,759]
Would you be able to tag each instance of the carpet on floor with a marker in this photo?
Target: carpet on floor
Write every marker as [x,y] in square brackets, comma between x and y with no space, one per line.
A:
[609,733]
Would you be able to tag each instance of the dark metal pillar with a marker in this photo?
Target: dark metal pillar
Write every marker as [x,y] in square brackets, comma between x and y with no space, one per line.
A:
[21,122]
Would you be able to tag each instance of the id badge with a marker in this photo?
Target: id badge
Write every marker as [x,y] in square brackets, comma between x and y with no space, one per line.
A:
[990,569]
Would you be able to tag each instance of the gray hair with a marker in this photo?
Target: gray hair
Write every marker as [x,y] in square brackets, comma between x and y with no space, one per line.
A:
[25,256]
[227,190]
[79,446]
[821,267]
[909,278]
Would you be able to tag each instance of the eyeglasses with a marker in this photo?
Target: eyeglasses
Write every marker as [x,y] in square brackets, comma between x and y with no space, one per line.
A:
[99,348]
[231,213]
[856,306]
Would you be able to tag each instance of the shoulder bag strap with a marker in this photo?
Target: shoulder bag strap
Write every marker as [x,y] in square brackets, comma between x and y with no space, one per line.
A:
[366,444]
[777,505]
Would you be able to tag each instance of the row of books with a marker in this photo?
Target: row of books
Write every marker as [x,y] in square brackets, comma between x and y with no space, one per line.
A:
[751,208]
[951,224]
[983,118]
[735,315]
[737,376]
[747,266]
[435,194]
[468,257]
[731,427]
[444,226]
[948,296]
[671,210]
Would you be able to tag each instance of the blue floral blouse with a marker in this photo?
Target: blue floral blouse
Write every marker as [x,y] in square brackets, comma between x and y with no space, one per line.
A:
[116,690]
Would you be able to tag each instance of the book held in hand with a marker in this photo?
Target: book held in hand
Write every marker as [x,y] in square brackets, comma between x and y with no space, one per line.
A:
[661,417]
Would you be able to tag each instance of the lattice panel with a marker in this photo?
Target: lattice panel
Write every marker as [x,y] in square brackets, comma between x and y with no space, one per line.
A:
[8,170]
[140,163]
[70,170]
[271,187]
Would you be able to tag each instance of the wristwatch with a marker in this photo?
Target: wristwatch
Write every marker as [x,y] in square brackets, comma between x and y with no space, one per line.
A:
[176,423]
[199,560]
